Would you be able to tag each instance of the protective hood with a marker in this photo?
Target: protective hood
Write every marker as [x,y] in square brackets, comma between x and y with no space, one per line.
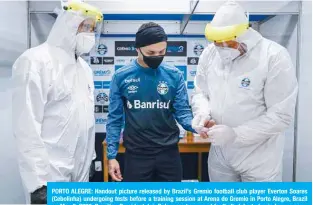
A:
[229,14]
[64,30]
[229,22]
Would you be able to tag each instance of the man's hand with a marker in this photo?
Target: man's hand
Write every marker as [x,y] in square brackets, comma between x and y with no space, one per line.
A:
[221,134]
[198,124]
[114,170]
[205,130]
[209,124]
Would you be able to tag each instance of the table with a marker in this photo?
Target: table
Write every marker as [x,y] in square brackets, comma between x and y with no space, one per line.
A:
[191,145]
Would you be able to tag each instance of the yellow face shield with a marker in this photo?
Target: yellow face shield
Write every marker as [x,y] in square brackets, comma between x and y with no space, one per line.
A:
[85,9]
[93,18]
[227,33]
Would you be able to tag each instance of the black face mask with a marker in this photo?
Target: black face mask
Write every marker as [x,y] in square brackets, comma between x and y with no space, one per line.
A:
[152,61]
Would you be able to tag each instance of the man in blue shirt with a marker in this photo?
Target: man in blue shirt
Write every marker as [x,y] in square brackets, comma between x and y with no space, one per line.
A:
[151,95]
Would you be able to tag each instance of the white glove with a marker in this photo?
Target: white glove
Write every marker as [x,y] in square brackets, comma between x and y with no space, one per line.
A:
[198,123]
[219,135]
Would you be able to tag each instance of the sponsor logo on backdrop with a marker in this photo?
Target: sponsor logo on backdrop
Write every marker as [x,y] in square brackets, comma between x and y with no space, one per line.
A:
[162,88]
[169,61]
[193,60]
[106,84]
[120,60]
[190,85]
[101,72]
[101,109]
[176,48]
[95,60]
[122,48]
[181,61]
[101,121]
[102,98]
[108,60]
[125,48]
[98,84]
[132,80]
[132,89]
[105,108]
[102,49]
[102,84]
[148,105]
[197,49]
[98,109]
[192,73]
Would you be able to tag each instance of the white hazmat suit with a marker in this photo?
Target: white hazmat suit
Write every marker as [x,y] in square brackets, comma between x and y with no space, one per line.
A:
[53,109]
[252,100]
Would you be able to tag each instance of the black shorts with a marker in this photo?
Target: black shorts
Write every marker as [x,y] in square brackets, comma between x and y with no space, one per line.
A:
[165,166]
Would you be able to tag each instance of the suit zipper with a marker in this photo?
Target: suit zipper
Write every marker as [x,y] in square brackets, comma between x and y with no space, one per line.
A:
[84,101]
[226,77]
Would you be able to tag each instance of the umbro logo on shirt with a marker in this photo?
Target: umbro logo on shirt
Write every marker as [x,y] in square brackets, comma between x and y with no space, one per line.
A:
[132,89]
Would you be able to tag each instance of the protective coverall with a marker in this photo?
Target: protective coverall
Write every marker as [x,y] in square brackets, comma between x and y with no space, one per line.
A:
[53,108]
[254,95]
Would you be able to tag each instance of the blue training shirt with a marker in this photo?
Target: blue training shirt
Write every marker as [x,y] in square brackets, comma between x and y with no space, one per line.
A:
[151,100]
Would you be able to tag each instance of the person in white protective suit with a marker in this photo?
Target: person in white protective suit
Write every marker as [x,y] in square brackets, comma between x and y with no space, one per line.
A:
[53,101]
[245,93]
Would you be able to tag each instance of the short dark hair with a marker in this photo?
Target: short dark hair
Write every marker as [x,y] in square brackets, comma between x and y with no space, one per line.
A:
[147,25]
